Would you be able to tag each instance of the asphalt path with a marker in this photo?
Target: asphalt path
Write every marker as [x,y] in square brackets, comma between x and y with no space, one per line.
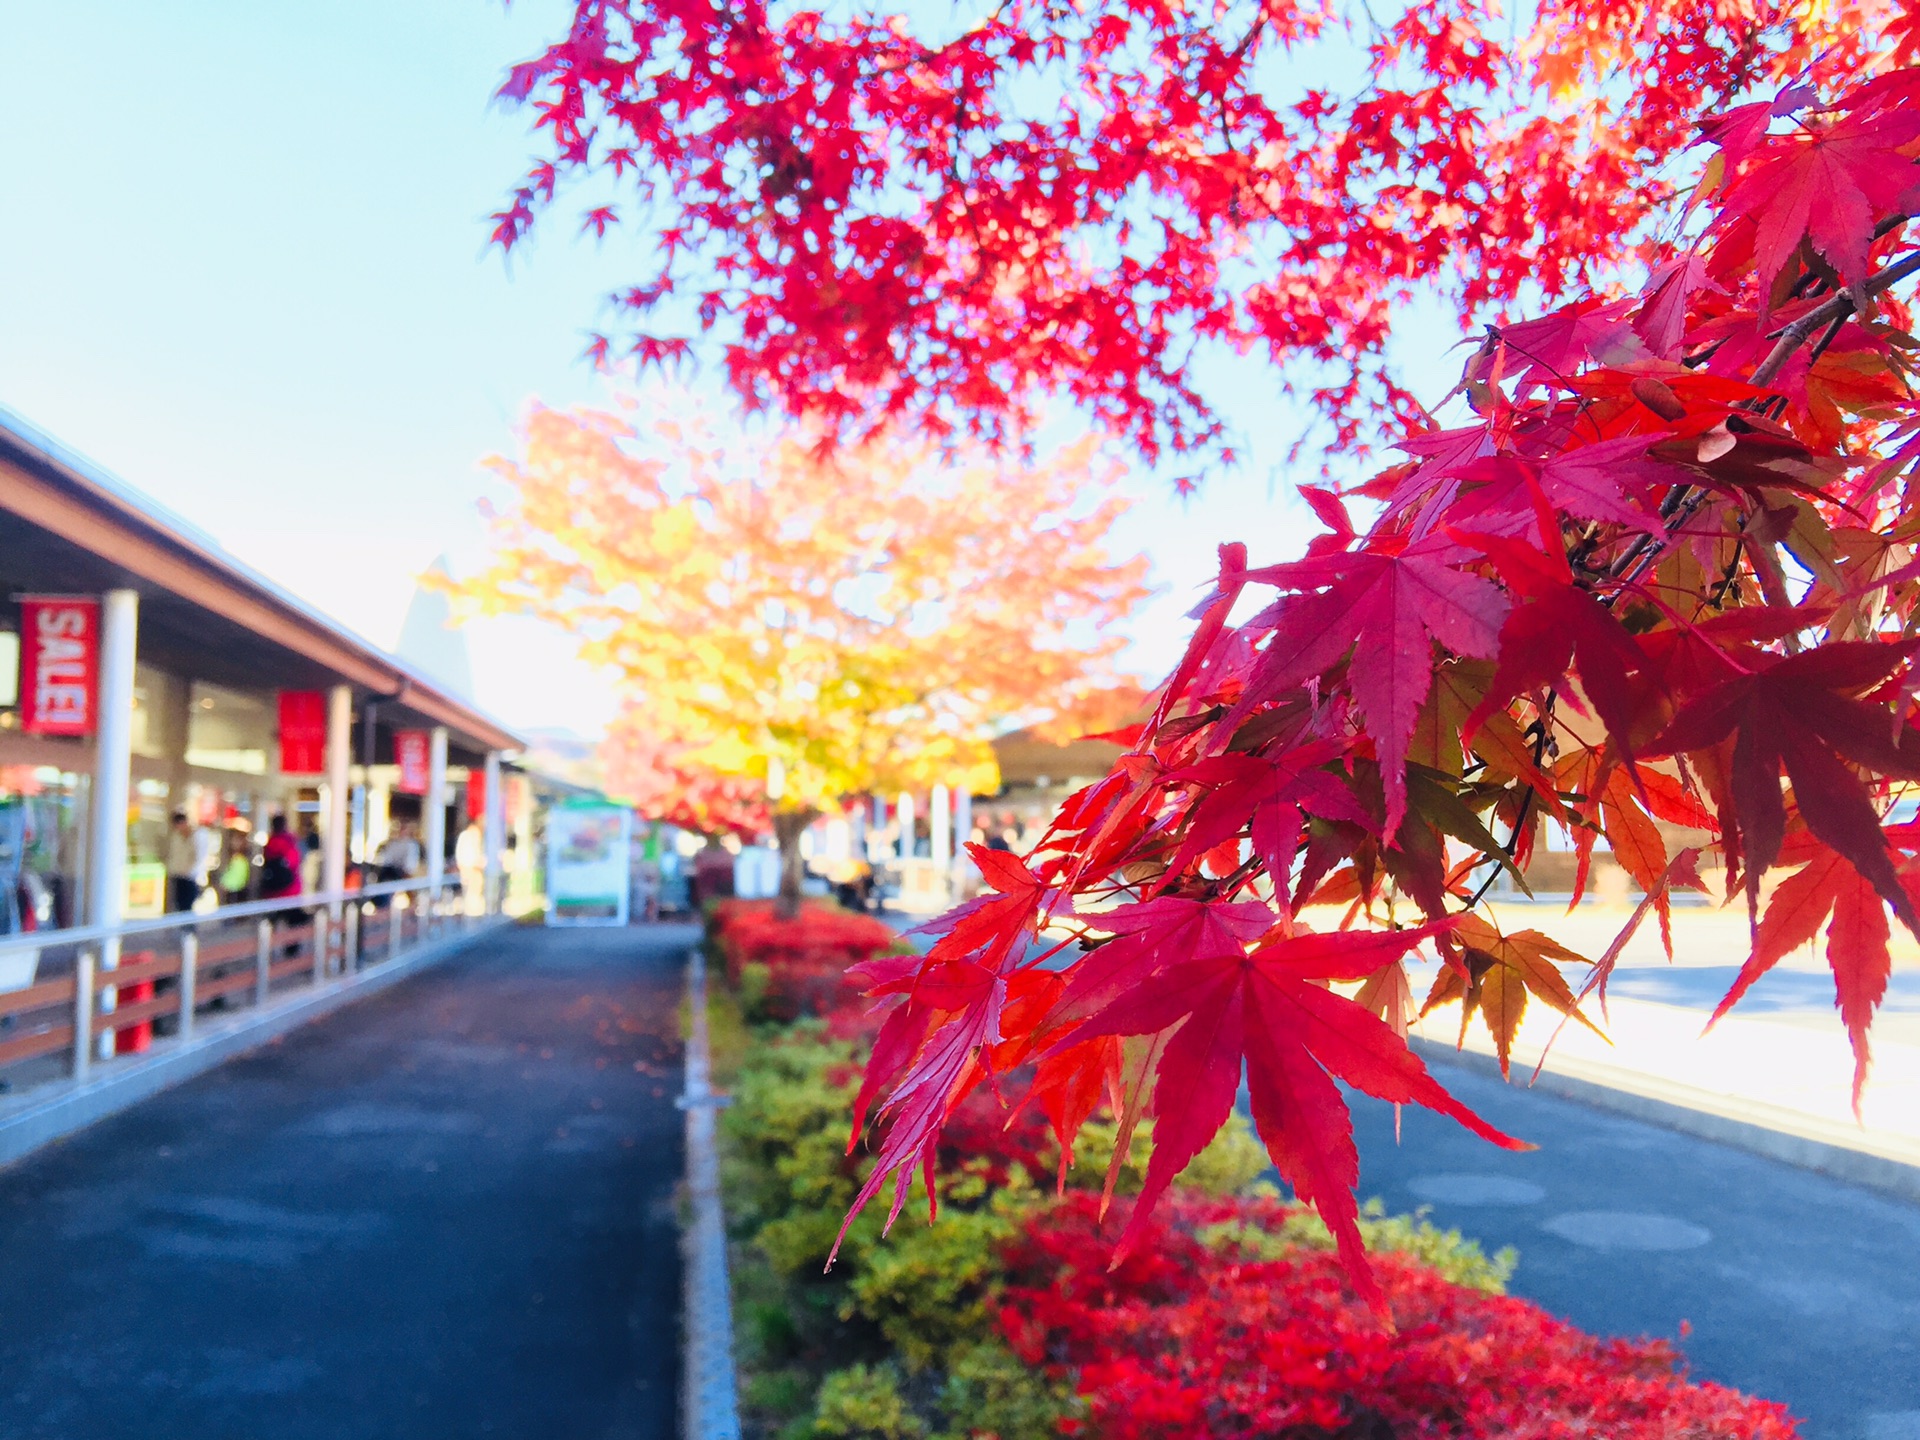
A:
[1796,1287]
[444,1211]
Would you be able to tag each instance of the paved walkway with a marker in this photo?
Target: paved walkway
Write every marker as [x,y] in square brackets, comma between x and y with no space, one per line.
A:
[445,1211]
[1780,1059]
[1797,1287]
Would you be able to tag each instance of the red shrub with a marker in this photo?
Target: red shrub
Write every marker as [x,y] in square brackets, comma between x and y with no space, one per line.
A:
[1178,1341]
[806,957]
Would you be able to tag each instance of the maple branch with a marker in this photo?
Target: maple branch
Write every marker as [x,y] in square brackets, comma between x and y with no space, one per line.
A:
[1541,732]
[1683,500]
[1838,308]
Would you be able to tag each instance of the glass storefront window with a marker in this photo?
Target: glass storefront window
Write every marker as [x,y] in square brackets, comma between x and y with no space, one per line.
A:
[147,820]
[43,810]
[228,730]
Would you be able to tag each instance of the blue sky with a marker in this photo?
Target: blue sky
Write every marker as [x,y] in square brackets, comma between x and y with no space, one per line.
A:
[243,265]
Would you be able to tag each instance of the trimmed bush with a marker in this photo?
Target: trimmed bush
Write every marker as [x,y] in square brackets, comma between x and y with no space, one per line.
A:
[1007,1320]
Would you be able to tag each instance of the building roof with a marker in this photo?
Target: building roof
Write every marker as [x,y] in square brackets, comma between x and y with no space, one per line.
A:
[212,603]
[1027,760]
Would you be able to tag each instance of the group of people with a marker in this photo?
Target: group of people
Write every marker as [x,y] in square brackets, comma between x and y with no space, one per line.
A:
[200,860]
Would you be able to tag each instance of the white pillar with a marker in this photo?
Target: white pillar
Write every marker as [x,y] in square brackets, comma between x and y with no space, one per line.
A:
[112,759]
[112,767]
[905,811]
[494,829]
[379,816]
[333,824]
[940,818]
[962,827]
[525,863]
[434,803]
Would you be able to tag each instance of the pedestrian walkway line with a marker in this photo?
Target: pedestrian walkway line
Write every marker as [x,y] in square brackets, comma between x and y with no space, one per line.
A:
[55,1110]
[710,1405]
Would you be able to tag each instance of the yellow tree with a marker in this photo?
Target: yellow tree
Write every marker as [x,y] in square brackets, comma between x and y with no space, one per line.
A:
[825,623]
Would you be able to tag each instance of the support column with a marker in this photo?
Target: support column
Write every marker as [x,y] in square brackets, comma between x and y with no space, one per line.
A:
[940,822]
[962,833]
[526,864]
[112,759]
[493,830]
[112,763]
[434,804]
[171,710]
[333,825]
[363,792]
[905,811]
[379,817]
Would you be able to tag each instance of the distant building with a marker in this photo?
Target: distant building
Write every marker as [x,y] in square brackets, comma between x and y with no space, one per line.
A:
[431,640]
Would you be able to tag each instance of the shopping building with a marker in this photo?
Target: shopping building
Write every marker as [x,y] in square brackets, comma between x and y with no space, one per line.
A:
[144,672]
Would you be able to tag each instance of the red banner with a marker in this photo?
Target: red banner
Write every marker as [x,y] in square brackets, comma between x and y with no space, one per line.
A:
[477,795]
[59,664]
[303,732]
[410,753]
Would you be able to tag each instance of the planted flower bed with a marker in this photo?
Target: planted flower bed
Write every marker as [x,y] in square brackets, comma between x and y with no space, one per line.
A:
[1007,1318]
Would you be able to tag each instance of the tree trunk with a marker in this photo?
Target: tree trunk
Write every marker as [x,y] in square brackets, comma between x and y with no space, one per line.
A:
[788,827]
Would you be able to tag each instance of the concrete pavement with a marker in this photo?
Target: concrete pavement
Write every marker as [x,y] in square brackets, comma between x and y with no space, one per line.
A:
[1797,1287]
[445,1211]
[1780,1060]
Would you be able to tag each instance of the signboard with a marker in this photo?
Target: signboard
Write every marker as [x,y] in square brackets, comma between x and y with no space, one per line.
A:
[477,795]
[146,890]
[588,865]
[59,664]
[411,749]
[303,732]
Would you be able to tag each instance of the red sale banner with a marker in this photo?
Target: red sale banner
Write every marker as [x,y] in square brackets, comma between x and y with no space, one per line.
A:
[303,732]
[410,749]
[59,664]
[477,795]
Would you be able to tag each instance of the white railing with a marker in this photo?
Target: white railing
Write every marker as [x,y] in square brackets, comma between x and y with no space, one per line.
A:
[121,980]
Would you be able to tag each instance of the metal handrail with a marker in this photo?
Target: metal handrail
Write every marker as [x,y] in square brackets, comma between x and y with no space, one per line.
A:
[335,935]
[180,920]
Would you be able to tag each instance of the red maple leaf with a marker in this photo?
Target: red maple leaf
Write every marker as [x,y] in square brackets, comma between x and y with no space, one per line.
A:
[1270,1014]
[1857,939]
[1831,185]
[1804,712]
[949,1014]
[1388,610]
[1556,625]
[1212,615]
[1272,794]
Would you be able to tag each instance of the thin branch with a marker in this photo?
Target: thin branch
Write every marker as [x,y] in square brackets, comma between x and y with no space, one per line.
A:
[1838,308]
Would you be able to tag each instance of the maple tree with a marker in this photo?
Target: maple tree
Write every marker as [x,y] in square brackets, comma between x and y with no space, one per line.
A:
[1660,569]
[951,212]
[797,628]
[664,779]
[1710,628]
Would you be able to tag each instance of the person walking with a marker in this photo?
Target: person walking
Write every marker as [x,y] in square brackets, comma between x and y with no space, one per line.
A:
[236,875]
[189,858]
[400,856]
[280,862]
[470,860]
[310,861]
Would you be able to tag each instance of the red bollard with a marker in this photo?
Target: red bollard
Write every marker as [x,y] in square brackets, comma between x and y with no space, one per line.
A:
[137,1038]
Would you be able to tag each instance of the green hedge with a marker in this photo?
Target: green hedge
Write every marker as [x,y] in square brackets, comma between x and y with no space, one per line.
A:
[899,1341]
